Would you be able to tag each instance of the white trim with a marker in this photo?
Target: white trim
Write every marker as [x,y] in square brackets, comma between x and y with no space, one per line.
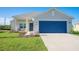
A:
[67,27]
[53,20]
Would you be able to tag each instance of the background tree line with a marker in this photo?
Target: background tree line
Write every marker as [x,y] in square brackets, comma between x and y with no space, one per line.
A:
[5,27]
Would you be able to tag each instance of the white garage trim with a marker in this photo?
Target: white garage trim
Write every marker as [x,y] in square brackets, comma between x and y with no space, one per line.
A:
[53,20]
[69,24]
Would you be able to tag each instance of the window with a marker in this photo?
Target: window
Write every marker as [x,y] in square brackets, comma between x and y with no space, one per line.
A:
[22,25]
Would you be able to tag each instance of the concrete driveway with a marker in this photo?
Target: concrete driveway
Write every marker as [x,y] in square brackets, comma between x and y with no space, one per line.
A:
[60,42]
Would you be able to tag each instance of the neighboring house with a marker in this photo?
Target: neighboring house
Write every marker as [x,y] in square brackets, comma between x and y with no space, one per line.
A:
[52,21]
[76,27]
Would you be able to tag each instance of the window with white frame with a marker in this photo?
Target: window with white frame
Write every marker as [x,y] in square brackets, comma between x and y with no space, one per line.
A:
[22,25]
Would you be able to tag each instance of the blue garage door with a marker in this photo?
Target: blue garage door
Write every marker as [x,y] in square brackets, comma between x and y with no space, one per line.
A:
[52,27]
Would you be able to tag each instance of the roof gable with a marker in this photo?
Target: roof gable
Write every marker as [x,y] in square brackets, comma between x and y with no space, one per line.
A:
[55,14]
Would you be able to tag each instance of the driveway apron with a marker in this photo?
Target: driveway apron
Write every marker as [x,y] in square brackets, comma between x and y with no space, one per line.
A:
[60,41]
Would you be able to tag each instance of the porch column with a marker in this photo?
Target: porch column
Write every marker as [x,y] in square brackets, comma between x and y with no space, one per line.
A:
[27,24]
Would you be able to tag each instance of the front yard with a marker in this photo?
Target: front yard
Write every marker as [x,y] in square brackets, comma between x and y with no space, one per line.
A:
[11,42]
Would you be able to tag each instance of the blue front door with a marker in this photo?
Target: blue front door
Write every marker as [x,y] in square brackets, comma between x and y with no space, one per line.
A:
[52,27]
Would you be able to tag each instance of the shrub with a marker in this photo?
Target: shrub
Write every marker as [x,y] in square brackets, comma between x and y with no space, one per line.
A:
[5,27]
[74,32]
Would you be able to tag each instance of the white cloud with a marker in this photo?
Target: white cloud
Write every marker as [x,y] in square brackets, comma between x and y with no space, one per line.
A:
[1,21]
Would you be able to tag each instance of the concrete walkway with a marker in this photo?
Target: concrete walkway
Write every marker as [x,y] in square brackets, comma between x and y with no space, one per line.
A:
[61,42]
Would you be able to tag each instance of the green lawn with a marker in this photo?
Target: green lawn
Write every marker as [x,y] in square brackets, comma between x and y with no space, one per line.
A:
[11,42]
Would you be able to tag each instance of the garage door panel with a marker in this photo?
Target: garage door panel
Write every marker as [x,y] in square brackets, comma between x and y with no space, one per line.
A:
[52,27]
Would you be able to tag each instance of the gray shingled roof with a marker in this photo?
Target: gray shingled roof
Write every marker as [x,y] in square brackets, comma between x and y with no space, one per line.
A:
[24,16]
[58,13]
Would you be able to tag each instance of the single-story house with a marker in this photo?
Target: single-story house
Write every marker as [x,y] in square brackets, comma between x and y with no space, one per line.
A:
[51,21]
[76,27]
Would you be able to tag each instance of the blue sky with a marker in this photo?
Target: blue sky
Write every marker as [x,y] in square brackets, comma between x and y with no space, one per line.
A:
[11,11]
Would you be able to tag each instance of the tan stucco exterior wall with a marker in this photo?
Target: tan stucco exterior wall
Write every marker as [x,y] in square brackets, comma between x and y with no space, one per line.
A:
[76,27]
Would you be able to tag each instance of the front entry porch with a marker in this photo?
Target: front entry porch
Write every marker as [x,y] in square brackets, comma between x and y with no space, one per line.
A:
[26,25]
